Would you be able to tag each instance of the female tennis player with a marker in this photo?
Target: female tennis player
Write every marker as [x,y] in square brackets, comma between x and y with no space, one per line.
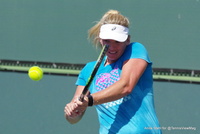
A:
[122,90]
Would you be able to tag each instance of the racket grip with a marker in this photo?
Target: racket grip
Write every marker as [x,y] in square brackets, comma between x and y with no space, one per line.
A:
[81,98]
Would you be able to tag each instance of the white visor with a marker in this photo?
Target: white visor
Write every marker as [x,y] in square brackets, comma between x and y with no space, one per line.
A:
[114,32]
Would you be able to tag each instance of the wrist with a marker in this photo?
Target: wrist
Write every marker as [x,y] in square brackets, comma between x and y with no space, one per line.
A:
[90,100]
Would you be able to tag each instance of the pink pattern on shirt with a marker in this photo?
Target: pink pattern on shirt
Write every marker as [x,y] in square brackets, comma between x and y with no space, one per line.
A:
[104,80]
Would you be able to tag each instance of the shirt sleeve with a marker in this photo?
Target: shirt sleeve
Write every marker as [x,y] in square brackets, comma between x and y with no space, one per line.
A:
[136,50]
[84,74]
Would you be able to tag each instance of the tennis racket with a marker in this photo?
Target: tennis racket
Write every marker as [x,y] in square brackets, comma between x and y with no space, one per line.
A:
[96,67]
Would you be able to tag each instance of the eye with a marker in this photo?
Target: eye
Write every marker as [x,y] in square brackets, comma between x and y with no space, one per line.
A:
[106,41]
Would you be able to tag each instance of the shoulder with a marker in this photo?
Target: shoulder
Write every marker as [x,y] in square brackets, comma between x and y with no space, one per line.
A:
[88,66]
[136,46]
[85,73]
[136,50]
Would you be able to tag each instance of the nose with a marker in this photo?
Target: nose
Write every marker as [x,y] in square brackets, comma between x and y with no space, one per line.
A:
[111,43]
[112,46]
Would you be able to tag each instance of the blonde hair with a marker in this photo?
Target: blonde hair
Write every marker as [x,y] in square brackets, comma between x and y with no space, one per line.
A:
[110,17]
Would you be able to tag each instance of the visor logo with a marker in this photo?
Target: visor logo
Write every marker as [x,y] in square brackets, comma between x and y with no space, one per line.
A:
[113,28]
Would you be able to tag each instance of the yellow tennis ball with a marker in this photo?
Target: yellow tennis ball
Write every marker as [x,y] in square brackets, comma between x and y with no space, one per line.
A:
[35,73]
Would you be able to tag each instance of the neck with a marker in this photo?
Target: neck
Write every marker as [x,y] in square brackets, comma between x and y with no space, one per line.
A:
[108,62]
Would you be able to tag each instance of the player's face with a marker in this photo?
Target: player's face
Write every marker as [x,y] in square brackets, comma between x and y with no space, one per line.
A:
[116,49]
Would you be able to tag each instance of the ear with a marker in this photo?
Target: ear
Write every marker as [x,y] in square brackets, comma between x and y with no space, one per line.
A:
[101,41]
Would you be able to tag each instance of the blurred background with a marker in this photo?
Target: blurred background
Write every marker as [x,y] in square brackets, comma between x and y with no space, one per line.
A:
[56,31]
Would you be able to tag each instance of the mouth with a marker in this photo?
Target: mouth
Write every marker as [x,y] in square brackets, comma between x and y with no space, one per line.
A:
[112,52]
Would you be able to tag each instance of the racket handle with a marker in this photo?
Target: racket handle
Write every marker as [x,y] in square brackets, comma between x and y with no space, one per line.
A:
[81,98]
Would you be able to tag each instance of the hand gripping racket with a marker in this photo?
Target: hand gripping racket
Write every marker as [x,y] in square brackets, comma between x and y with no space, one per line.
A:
[96,67]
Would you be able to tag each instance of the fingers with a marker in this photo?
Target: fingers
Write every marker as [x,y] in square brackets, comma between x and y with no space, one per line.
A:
[70,110]
[83,103]
[75,108]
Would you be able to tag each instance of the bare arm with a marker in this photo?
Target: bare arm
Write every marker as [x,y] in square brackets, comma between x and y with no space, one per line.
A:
[131,73]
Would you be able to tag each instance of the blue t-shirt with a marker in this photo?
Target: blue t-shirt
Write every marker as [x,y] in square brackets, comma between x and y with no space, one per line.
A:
[132,114]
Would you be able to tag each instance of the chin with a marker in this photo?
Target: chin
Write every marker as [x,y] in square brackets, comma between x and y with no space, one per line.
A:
[111,60]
